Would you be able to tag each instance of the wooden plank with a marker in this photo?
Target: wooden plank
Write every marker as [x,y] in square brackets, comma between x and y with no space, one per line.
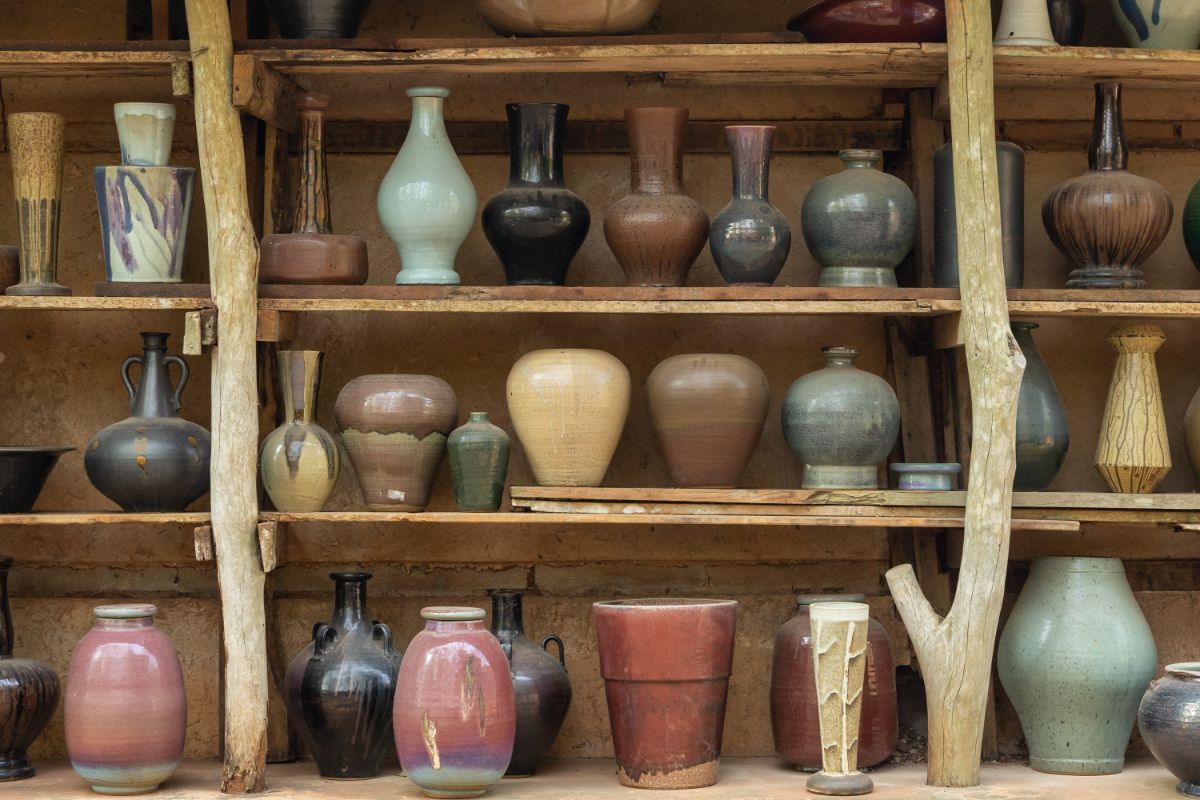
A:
[203,539]
[199,331]
[86,518]
[1054,135]
[79,303]
[128,289]
[261,92]
[80,62]
[275,326]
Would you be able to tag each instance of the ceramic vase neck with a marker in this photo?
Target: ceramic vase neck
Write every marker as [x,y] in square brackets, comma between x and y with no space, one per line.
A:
[154,397]
[135,623]
[349,598]
[479,418]
[507,619]
[860,159]
[6,623]
[839,356]
[453,626]
[312,193]
[299,381]
[536,131]
[656,149]
[751,149]
[1142,339]
[427,119]
[1107,150]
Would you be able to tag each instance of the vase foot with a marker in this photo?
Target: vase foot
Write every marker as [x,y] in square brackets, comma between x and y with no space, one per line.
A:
[822,476]
[38,289]
[694,777]
[827,783]
[857,276]
[1188,789]
[1107,278]
[16,767]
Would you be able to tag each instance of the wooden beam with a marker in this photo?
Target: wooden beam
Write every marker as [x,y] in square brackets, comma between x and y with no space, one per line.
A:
[181,80]
[203,539]
[270,544]
[199,331]
[260,91]
[275,326]
[233,267]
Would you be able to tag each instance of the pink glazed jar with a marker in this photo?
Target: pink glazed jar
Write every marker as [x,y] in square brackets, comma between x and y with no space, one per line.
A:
[126,711]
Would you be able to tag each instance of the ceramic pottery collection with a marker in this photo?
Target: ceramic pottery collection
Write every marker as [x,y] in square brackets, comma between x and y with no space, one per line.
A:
[834,21]
[1159,24]
[1133,454]
[1074,659]
[124,663]
[29,692]
[750,238]
[1042,435]
[35,140]
[795,716]
[317,19]
[299,460]
[154,460]
[478,455]
[574,18]
[1169,721]
[455,712]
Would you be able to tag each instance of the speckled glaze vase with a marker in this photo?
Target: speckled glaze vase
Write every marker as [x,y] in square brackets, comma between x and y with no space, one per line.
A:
[750,239]
[154,460]
[540,683]
[478,454]
[708,412]
[568,408]
[1075,658]
[1133,453]
[125,712]
[1108,220]
[1169,721]
[1067,18]
[666,665]
[1159,24]
[860,223]
[35,140]
[656,231]
[29,692]
[299,460]
[841,423]
[1025,22]
[794,715]
[1042,434]
[395,428]
[536,225]
[427,202]
[455,713]
[340,688]
[1191,433]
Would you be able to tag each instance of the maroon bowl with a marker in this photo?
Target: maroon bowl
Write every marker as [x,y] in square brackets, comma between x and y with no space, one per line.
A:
[842,21]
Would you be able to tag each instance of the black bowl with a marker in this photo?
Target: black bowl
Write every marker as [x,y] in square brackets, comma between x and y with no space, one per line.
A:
[23,473]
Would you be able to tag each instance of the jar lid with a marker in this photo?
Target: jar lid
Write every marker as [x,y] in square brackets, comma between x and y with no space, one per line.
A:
[125,611]
[452,614]
[809,599]
[428,91]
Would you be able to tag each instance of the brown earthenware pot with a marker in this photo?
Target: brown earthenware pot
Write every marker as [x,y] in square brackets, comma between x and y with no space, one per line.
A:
[708,411]
[656,231]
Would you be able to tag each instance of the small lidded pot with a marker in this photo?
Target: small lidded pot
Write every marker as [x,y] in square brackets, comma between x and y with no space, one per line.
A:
[1169,720]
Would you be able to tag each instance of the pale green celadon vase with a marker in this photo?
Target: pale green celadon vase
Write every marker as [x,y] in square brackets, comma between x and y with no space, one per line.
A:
[1075,659]
[427,202]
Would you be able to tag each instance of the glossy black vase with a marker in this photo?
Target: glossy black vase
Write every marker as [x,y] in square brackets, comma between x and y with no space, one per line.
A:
[154,460]
[29,692]
[540,682]
[1066,20]
[339,689]
[1042,436]
[750,239]
[317,19]
[536,225]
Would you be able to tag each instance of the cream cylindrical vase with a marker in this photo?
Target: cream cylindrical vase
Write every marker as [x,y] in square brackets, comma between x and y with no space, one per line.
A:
[1025,22]
[839,637]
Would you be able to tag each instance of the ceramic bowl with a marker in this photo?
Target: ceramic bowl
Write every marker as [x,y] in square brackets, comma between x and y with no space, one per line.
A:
[567,17]
[839,21]
[925,477]
[23,473]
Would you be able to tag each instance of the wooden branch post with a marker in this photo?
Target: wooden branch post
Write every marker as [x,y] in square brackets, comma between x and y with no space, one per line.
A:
[233,268]
[955,652]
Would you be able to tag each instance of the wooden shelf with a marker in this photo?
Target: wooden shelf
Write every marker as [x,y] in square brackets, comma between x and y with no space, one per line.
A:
[104,303]
[105,518]
[98,60]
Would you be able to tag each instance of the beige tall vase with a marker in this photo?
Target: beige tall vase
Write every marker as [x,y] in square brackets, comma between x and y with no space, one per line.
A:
[568,408]
[1191,433]
[36,142]
[1133,454]
[839,648]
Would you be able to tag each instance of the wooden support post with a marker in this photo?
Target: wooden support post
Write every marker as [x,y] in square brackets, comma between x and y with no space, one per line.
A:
[260,91]
[203,539]
[275,326]
[181,80]
[956,650]
[233,267]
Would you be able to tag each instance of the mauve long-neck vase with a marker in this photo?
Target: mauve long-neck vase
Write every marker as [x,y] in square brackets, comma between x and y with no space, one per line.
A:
[1042,434]
[536,225]
[750,239]
[35,140]
[299,460]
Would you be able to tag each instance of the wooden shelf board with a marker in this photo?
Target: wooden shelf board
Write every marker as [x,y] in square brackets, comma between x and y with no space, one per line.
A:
[105,518]
[99,59]
[83,303]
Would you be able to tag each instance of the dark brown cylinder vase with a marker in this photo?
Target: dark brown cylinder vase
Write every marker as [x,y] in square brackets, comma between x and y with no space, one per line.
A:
[708,412]
[656,231]
[1108,221]
[795,718]
[666,666]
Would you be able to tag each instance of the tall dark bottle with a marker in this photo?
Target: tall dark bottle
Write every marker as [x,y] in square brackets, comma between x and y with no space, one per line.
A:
[750,238]
[536,225]
[540,683]
[340,688]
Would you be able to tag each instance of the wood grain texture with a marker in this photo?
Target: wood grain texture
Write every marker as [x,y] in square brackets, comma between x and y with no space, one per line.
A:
[1133,454]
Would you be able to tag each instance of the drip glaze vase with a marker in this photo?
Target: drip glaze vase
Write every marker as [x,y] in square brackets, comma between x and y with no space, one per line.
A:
[568,408]
[536,225]
[666,665]
[1067,18]
[299,460]
[478,455]
[839,656]
[708,412]
[1169,721]
[395,427]
[312,254]
[427,202]
[860,223]
[455,713]
[125,712]
[1075,658]
[29,692]
[750,238]
[841,422]
[567,17]
[144,203]
[1025,22]
[540,683]
[317,19]
[1159,24]
[795,716]
[340,688]
[1191,433]
[35,142]
[1042,434]
[154,460]
[656,231]
[1010,164]
[1108,220]
[1133,454]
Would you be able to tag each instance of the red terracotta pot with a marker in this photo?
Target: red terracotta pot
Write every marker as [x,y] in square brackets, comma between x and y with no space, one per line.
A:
[795,720]
[666,666]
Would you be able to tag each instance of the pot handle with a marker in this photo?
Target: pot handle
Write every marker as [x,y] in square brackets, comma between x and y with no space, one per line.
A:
[381,631]
[183,378]
[562,656]
[323,638]
[125,365]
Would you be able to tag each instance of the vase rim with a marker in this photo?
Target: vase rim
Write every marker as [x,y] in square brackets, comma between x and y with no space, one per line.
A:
[840,611]
[125,611]
[452,614]
[805,600]
[926,468]
[1143,331]
[22,449]
[1080,564]
[350,576]
[538,104]
[751,127]
[427,91]
[1024,324]
[840,350]
[1188,669]
[860,154]
[645,603]
[294,352]
[158,110]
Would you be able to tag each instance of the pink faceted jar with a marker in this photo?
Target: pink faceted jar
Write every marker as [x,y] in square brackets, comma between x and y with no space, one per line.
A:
[126,711]
[455,714]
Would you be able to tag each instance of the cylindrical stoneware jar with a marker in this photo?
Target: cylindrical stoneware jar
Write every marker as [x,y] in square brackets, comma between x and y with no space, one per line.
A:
[126,711]
[455,714]
[1169,719]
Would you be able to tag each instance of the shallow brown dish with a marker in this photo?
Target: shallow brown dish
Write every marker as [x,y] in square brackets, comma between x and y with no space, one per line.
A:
[870,21]
[567,17]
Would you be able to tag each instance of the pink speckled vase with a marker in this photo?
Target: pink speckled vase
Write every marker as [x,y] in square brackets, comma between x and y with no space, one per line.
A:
[126,711]
[455,714]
